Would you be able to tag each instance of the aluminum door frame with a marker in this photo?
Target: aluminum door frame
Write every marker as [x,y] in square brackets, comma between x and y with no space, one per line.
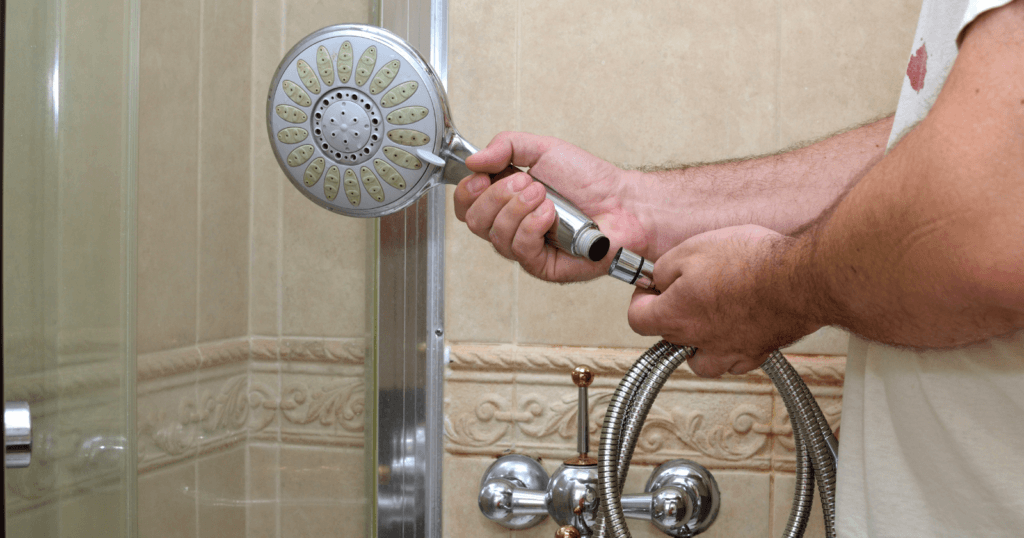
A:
[408,329]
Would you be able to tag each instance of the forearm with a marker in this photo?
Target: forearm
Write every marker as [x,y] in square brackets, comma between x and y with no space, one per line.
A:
[926,250]
[782,192]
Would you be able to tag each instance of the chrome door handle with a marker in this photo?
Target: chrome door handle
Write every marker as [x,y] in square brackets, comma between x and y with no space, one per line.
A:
[17,434]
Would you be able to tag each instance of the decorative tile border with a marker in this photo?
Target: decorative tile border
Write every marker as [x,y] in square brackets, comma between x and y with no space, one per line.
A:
[196,399]
[509,398]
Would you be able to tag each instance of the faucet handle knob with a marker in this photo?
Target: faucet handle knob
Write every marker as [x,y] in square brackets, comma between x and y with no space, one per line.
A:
[567,531]
[582,377]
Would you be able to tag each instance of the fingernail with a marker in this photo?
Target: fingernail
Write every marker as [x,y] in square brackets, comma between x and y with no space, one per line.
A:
[519,182]
[532,193]
[478,184]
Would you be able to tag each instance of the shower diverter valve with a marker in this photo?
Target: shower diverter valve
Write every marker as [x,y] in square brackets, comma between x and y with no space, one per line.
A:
[681,497]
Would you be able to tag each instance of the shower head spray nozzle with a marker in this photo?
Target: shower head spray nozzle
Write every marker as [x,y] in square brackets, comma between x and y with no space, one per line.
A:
[360,124]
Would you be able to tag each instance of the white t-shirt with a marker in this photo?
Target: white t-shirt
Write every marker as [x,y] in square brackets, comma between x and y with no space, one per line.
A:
[932,443]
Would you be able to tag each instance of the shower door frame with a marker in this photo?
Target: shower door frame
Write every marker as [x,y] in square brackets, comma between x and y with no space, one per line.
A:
[407,344]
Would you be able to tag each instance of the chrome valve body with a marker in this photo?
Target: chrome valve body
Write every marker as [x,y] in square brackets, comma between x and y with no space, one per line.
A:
[681,497]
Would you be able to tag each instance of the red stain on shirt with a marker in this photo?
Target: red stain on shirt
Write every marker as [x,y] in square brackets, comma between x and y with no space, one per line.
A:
[917,68]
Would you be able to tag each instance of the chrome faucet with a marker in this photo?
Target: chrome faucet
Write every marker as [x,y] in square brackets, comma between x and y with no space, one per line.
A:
[681,497]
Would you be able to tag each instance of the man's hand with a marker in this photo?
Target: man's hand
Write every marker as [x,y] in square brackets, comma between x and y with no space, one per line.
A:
[513,214]
[726,294]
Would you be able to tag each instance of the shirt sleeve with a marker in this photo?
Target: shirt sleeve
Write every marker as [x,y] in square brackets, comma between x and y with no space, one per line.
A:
[974,9]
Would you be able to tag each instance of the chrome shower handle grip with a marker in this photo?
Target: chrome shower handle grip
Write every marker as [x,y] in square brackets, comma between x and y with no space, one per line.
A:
[574,232]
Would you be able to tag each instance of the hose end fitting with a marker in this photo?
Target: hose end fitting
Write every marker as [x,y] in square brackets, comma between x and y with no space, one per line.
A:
[633,268]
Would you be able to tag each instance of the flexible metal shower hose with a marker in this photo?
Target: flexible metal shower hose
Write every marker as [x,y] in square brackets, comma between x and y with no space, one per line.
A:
[632,401]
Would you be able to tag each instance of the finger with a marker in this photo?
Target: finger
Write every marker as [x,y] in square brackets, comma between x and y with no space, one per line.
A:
[743,366]
[646,313]
[520,149]
[467,191]
[528,245]
[506,224]
[669,267]
[480,216]
[706,364]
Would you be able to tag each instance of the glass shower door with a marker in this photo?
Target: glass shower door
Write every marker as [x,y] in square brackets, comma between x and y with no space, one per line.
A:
[68,250]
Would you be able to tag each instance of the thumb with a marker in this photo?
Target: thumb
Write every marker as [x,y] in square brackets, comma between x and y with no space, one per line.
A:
[520,149]
[645,313]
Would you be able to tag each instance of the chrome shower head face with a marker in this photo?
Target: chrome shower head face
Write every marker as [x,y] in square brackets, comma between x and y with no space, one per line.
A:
[357,120]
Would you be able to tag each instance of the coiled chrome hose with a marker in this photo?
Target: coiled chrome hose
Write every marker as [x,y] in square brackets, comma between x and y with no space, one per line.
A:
[632,400]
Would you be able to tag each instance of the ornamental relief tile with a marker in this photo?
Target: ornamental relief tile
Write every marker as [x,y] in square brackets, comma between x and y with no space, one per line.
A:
[815,370]
[323,350]
[177,424]
[730,421]
[734,434]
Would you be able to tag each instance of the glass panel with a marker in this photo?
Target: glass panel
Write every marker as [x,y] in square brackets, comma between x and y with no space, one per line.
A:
[251,300]
[68,217]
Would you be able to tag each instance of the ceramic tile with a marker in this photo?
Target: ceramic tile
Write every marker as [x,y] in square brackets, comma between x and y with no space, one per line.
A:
[725,424]
[99,513]
[783,486]
[167,503]
[167,420]
[461,488]
[745,506]
[324,263]
[262,501]
[91,202]
[267,178]
[321,491]
[40,521]
[481,413]
[841,64]
[264,406]
[587,314]
[167,176]
[222,494]
[223,394]
[482,68]
[303,17]
[323,409]
[224,170]
[479,287]
[661,82]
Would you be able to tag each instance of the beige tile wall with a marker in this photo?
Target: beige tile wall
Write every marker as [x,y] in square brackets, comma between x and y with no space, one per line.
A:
[227,250]
[651,82]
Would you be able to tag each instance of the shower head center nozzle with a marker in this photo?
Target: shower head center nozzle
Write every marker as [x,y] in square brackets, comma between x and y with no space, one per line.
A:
[348,125]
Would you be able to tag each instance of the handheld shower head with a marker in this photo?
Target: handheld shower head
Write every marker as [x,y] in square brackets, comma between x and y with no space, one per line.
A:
[360,124]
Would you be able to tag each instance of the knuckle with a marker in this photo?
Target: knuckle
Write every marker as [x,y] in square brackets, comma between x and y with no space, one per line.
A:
[636,322]
[473,222]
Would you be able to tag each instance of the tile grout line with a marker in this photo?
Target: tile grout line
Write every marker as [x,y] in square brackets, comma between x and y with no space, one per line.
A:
[279,266]
[252,168]
[252,259]
[778,75]
[279,269]
[517,125]
[199,240]
[253,129]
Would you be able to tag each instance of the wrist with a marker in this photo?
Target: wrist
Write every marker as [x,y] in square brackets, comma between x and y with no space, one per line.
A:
[795,284]
[658,201]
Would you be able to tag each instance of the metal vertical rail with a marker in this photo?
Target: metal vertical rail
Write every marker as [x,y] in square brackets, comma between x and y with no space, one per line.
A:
[409,337]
